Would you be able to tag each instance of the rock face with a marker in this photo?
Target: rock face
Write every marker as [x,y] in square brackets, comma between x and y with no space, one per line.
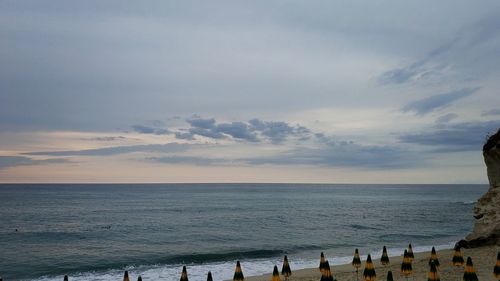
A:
[487,210]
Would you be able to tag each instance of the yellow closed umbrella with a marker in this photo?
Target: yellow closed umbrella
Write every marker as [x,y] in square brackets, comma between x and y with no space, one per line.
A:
[406,268]
[322,262]
[433,274]
[458,259]
[384,260]
[125,276]
[434,257]
[410,252]
[389,276]
[356,262]
[326,275]
[276,274]
[285,269]
[469,272]
[184,274]
[369,271]
[238,274]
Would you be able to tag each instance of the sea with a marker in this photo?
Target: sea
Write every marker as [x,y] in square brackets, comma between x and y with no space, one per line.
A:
[97,231]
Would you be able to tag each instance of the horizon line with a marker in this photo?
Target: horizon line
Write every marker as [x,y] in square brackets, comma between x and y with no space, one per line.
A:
[240,183]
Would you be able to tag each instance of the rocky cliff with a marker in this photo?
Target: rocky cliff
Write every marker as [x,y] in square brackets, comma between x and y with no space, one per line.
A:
[487,210]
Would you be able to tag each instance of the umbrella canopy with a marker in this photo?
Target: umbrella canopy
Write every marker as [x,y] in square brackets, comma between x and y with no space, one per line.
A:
[209,276]
[389,276]
[139,278]
[458,259]
[125,276]
[496,269]
[326,275]
[433,274]
[238,274]
[434,258]
[65,278]
[469,273]
[369,272]
[406,268]
[322,262]
[276,274]
[184,274]
[384,260]
[285,269]
[356,261]
[410,253]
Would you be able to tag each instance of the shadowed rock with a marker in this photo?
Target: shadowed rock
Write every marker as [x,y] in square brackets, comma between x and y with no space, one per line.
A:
[487,210]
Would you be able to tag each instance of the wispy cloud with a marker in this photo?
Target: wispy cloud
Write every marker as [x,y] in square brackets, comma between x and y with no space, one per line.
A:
[12,161]
[106,138]
[429,104]
[468,50]
[191,160]
[344,154]
[150,130]
[107,151]
[491,112]
[467,136]
[446,118]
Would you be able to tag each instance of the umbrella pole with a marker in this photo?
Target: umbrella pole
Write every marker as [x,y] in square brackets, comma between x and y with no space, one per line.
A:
[357,274]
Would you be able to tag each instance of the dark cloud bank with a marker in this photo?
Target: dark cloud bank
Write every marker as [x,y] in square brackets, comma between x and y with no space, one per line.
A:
[467,136]
[12,161]
[429,104]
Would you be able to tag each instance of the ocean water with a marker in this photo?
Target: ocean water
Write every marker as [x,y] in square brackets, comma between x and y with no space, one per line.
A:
[95,232]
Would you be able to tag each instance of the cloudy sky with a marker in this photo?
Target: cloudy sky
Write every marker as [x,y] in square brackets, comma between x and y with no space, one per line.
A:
[248,91]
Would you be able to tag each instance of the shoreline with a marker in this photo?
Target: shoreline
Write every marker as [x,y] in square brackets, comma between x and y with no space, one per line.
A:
[483,258]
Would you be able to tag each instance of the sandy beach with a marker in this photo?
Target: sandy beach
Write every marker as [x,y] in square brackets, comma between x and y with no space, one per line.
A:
[484,259]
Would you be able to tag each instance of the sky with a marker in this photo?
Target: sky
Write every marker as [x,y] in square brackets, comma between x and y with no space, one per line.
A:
[248,91]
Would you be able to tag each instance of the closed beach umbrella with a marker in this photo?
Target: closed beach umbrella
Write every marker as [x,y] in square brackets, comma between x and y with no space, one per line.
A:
[238,274]
[406,268]
[322,262]
[125,276]
[496,269]
[410,253]
[285,269]
[326,275]
[389,276]
[433,273]
[469,273]
[184,274]
[434,258]
[356,262]
[458,259]
[139,278]
[276,274]
[384,260]
[209,276]
[369,272]
[65,278]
